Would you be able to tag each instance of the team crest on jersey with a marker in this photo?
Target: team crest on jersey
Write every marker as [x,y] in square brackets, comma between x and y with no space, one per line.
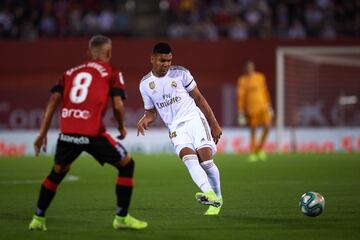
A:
[152,85]
[173,84]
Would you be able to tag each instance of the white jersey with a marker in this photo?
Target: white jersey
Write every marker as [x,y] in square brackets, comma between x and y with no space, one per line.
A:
[170,96]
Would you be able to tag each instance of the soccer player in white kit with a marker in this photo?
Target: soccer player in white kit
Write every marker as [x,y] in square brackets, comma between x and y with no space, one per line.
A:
[171,92]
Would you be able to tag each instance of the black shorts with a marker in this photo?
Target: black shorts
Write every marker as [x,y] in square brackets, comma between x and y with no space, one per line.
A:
[104,149]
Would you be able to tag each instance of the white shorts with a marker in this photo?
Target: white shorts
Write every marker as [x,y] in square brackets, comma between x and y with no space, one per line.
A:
[194,134]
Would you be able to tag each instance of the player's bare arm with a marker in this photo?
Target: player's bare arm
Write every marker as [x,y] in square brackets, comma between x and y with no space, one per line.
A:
[143,124]
[205,108]
[119,115]
[41,139]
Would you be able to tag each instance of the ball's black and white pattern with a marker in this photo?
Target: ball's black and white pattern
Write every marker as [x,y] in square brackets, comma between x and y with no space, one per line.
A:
[312,204]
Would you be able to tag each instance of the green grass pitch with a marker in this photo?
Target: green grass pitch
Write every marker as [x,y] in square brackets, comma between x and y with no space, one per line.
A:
[260,199]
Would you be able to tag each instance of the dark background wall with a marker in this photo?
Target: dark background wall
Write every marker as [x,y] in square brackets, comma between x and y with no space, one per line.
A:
[29,69]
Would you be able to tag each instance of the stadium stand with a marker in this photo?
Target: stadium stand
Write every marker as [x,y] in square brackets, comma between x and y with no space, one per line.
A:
[180,19]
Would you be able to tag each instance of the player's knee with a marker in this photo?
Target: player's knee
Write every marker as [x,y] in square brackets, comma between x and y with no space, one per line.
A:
[124,161]
[186,151]
[128,169]
[190,160]
[204,154]
[61,169]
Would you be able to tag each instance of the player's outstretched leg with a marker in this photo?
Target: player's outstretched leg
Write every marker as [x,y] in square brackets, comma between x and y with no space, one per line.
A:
[213,174]
[197,173]
[124,187]
[213,211]
[47,193]
[37,223]
[208,198]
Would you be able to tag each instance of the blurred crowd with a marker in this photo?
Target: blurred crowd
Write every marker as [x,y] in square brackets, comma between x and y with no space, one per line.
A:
[181,19]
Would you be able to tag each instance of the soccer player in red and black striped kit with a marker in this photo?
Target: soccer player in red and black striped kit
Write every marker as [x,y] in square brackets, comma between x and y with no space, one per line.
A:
[83,92]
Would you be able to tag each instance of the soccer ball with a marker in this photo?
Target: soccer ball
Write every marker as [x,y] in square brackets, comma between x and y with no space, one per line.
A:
[312,204]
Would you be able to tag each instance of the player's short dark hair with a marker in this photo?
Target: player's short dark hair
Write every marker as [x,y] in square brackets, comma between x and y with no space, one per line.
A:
[98,41]
[162,48]
[248,61]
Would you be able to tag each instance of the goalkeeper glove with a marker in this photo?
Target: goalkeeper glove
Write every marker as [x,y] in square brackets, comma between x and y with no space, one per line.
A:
[241,119]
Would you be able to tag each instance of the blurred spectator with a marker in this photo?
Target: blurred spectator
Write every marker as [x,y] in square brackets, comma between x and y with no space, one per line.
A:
[323,4]
[313,19]
[17,21]
[178,30]
[238,30]
[29,31]
[75,17]
[281,30]
[282,16]
[254,19]
[61,10]
[6,19]
[297,30]
[106,20]
[47,25]
[121,20]
[328,31]
[90,23]
[205,30]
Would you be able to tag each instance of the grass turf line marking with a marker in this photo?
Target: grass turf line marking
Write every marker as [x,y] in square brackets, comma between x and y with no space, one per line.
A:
[70,178]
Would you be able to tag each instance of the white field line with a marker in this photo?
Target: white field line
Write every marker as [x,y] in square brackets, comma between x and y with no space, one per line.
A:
[69,178]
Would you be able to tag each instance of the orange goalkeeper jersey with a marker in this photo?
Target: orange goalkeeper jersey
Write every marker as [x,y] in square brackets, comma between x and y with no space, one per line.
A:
[252,93]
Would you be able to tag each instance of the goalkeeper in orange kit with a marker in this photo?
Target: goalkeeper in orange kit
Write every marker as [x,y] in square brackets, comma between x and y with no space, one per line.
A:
[254,108]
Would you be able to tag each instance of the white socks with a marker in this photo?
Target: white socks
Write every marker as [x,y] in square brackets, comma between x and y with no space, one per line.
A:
[205,175]
[197,173]
[213,175]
